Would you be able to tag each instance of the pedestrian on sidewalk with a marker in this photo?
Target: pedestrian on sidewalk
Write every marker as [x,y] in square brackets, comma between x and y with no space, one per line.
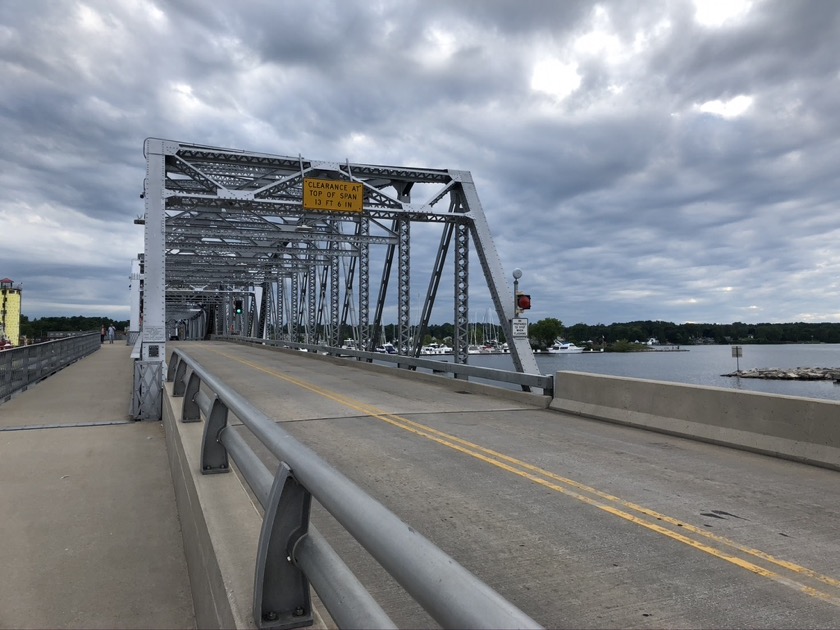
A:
[111,332]
[102,334]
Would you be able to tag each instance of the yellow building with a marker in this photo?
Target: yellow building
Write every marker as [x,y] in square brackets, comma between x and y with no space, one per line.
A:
[10,311]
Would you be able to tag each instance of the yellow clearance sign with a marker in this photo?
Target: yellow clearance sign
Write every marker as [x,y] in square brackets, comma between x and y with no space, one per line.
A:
[332,195]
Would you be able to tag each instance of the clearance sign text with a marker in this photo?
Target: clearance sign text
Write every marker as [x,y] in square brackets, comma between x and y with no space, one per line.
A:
[332,195]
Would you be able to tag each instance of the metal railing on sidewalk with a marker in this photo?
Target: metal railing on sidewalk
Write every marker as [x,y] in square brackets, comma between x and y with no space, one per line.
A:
[292,554]
[24,366]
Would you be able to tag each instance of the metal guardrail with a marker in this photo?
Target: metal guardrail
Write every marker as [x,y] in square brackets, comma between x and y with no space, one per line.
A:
[526,381]
[292,554]
[24,366]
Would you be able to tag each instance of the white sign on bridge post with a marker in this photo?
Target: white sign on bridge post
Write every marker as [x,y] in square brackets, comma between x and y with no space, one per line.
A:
[519,328]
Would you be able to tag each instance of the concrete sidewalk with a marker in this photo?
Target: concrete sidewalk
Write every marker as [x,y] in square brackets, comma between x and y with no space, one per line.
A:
[90,532]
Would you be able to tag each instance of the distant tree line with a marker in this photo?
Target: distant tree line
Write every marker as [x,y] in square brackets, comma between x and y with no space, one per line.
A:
[543,333]
[37,329]
[689,334]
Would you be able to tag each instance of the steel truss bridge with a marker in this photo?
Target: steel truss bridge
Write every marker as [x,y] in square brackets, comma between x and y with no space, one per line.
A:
[232,245]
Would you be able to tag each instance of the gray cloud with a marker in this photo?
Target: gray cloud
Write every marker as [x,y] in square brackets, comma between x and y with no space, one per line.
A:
[642,192]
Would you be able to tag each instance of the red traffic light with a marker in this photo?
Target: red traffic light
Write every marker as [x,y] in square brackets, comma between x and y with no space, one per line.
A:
[523,302]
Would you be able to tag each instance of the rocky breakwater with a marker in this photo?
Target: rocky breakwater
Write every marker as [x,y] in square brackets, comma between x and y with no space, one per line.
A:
[792,374]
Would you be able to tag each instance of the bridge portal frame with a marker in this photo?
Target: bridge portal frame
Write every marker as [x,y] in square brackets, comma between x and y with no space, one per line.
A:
[221,224]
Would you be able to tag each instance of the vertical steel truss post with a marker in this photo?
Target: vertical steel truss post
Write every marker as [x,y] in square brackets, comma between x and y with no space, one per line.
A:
[311,321]
[276,309]
[335,286]
[462,289]
[135,295]
[293,310]
[322,326]
[227,315]
[364,286]
[404,288]
[264,309]
[251,331]
[281,309]
[153,346]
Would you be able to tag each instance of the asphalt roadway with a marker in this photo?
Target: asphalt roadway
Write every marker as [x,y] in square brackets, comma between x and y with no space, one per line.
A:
[580,523]
[90,531]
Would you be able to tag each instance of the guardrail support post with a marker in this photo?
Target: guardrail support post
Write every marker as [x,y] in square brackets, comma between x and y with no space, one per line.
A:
[190,411]
[281,590]
[214,457]
[178,383]
[170,368]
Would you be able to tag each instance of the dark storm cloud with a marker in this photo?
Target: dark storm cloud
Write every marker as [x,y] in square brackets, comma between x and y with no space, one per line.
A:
[663,167]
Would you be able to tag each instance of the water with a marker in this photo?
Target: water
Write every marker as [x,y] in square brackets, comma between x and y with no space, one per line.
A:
[700,365]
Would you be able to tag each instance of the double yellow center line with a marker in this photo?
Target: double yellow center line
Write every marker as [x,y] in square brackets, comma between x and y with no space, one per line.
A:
[781,571]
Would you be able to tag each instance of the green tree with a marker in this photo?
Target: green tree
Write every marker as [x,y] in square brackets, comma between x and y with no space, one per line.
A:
[545,331]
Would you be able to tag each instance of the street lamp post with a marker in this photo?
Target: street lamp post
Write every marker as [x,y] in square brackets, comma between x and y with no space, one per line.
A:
[517,273]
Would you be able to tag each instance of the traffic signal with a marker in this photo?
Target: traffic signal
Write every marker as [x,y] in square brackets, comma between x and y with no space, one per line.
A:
[237,304]
[523,301]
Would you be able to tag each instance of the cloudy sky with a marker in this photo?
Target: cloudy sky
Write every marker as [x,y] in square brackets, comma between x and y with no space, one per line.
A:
[670,160]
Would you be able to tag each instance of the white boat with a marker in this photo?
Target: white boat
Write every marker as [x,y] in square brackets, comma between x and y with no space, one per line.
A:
[436,348]
[564,347]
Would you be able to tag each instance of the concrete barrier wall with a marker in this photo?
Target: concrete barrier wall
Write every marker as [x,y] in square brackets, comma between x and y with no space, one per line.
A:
[784,426]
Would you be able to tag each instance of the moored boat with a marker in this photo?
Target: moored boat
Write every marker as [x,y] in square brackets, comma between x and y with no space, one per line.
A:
[436,348]
[564,347]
